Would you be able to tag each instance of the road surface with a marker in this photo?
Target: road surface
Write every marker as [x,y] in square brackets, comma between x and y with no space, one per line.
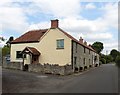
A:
[103,79]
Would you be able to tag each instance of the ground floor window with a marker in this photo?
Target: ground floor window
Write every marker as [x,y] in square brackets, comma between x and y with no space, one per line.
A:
[89,61]
[75,59]
[19,54]
[84,61]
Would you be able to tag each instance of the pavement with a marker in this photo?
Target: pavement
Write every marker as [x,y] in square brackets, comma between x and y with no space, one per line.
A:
[103,79]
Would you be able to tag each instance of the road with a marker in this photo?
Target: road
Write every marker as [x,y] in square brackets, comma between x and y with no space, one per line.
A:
[0,80]
[103,79]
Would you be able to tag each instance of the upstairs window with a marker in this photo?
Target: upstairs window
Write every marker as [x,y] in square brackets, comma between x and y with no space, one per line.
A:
[60,44]
[76,47]
[89,51]
[84,61]
[84,50]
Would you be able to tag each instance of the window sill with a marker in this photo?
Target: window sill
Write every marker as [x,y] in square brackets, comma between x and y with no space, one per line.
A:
[20,58]
[59,48]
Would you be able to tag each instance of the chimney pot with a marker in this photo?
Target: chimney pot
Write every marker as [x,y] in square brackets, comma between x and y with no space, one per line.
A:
[89,45]
[81,40]
[85,42]
[54,23]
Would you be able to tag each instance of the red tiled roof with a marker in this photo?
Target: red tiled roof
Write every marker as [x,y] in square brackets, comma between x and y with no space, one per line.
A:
[34,51]
[30,36]
[71,37]
[35,35]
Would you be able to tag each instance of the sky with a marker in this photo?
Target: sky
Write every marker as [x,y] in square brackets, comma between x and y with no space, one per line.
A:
[93,20]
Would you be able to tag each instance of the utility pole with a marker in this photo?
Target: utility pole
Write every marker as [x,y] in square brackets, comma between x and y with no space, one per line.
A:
[106,52]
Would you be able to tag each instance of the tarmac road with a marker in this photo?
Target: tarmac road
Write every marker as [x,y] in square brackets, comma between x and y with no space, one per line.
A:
[103,79]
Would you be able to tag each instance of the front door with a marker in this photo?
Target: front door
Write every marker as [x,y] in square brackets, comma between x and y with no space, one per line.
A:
[35,59]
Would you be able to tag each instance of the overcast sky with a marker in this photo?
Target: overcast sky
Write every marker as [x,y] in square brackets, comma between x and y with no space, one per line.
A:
[94,21]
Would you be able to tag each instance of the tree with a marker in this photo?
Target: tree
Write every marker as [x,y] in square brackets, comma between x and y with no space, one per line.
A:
[103,60]
[108,58]
[2,39]
[5,50]
[114,53]
[98,46]
[9,41]
[117,61]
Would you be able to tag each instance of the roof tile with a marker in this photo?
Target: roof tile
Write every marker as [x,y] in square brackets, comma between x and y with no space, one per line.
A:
[30,36]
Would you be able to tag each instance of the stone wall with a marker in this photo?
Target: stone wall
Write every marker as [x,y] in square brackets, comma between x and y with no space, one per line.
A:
[11,65]
[46,68]
[50,69]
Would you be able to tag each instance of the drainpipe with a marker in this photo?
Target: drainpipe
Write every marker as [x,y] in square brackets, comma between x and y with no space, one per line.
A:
[22,66]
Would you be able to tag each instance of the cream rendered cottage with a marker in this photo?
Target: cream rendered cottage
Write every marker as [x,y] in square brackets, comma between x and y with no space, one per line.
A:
[53,46]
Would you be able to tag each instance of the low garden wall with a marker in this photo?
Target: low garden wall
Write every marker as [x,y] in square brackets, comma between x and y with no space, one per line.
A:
[51,69]
[45,68]
[13,65]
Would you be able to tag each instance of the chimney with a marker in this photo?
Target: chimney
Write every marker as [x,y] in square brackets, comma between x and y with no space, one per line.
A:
[89,45]
[54,23]
[81,40]
[85,42]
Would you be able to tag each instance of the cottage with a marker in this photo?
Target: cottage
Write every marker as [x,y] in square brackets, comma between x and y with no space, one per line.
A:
[53,46]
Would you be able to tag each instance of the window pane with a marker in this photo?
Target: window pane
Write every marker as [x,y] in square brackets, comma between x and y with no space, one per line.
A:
[18,54]
[60,43]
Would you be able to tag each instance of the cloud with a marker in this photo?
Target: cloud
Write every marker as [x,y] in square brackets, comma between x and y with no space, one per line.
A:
[12,18]
[15,17]
[90,6]
[108,46]
[41,25]
[111,14]
[99,36]
[59,8]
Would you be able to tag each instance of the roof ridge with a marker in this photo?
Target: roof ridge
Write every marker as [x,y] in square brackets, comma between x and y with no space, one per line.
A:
[71,37]
[36,30]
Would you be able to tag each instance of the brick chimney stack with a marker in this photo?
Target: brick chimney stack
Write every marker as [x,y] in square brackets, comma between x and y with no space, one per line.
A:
[81,40]
[54,23]
[90,45]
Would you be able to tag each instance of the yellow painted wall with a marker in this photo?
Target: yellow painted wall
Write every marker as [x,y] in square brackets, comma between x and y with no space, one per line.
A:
[47,47]
[49,53]
[20,47]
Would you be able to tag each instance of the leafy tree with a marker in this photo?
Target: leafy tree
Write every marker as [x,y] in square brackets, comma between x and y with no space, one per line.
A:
[9,41]
[5,50]
[103,60]
[2,39]
[114,53]
[117,61]
[98,46]
[108,58]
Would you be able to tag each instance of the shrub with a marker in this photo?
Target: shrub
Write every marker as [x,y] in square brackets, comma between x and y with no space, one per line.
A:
[103,60]
[100,63]
[117,61]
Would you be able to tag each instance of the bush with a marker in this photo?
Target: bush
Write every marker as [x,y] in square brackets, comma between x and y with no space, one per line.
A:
[117,61]
[100,63]
[103,60]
